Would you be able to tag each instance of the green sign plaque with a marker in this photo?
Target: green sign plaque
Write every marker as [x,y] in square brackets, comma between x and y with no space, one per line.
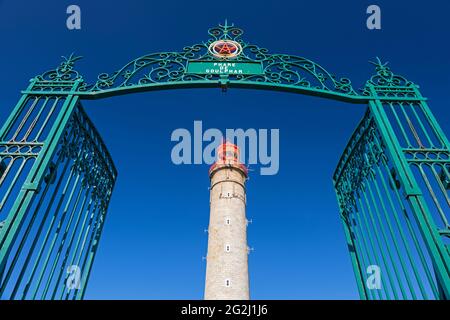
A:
[224,67]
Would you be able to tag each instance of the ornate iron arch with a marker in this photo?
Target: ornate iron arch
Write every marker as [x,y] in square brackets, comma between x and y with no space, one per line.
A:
[170,70]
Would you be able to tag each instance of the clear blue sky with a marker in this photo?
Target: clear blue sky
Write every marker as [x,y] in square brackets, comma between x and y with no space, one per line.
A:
[154,240]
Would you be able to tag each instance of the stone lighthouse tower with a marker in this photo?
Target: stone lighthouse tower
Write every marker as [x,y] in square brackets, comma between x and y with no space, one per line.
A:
[227,258]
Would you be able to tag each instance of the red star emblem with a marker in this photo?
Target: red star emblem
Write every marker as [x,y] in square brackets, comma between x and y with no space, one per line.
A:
[225,48]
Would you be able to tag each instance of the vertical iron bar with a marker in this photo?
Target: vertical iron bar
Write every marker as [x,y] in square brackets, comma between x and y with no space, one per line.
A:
[431,236]
[394,112]
[378,242]
[410,230]
[369,234]
[16,218]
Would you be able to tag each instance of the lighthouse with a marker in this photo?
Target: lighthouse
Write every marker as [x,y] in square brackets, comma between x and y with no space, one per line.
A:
[227,257]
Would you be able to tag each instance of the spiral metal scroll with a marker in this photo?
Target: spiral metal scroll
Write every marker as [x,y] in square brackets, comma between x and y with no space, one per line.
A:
[171,68]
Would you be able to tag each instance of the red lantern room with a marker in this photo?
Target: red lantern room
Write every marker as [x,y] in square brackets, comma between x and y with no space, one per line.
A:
[228,155]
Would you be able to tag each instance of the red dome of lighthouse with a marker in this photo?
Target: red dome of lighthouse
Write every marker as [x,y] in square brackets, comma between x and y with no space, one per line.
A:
[228,155]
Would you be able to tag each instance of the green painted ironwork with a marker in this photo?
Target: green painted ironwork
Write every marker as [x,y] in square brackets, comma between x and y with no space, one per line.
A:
[56,176]
[393,217]
[55,187]
[169,70]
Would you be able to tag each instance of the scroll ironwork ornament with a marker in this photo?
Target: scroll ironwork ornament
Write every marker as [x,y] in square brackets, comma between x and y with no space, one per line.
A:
[172,68]
[90,158]
[64,72]
[363,153]
[384,77]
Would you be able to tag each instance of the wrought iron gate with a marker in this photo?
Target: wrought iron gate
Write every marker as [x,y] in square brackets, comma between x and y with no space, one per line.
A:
[56,176]
[392,185]
[56,182]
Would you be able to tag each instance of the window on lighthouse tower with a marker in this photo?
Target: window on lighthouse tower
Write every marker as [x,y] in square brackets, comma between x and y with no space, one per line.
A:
[227,283]
[227,248]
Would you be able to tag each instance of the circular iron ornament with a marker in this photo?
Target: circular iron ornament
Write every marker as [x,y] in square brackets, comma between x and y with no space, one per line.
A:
[225,49]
